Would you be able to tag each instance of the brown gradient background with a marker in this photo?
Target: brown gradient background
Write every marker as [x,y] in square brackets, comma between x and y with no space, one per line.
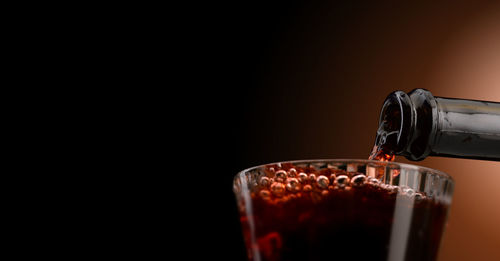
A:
[309,81]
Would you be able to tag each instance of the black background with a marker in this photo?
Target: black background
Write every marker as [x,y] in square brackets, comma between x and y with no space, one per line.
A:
[261,100]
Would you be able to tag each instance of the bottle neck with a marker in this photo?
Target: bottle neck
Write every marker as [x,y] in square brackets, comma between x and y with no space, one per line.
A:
[417,124]
[467,129]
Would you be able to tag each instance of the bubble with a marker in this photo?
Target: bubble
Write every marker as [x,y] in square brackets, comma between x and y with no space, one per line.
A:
[292,181]
[278,189]
[265,181]
[307,188]
[312,177]
[353,173]
[373,181]
[342,181]
[265,194]
[324,192]
[408,191]
[302,177]
[292,173]
[271,169]
[292,185]
[392,188]
[280,175]
[418,196]
[358,180]
[384,186]
[323,182]
[332,178]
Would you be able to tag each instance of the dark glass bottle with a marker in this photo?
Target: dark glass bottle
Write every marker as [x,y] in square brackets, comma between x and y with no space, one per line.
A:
[417,125]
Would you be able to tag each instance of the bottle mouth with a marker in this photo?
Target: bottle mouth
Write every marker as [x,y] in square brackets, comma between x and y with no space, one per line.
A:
[395,123]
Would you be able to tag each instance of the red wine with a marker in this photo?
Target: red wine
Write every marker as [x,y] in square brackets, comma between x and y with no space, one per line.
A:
[307,213]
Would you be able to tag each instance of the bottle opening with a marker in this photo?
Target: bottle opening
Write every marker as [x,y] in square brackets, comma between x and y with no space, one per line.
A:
[394,125]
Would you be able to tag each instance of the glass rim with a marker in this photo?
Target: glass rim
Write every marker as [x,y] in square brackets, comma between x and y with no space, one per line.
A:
[385,163]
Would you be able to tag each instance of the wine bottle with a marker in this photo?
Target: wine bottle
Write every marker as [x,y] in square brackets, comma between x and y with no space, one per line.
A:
[417,125]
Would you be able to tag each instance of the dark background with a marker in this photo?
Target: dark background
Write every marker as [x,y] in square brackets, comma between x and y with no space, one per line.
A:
[306,80]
